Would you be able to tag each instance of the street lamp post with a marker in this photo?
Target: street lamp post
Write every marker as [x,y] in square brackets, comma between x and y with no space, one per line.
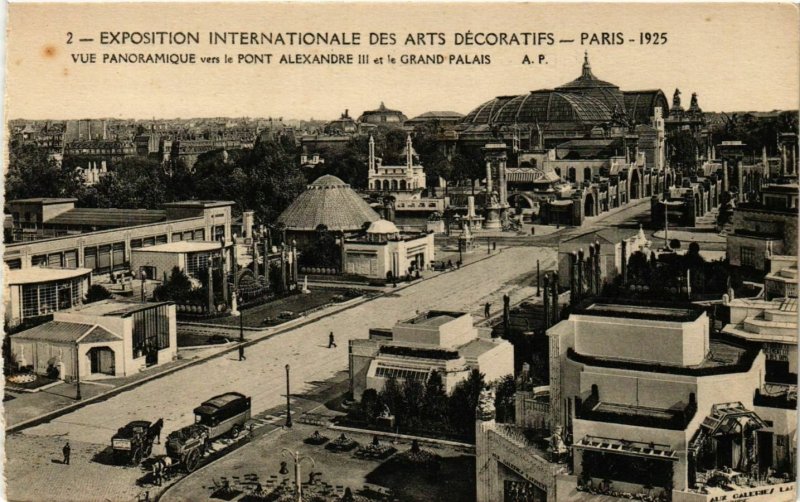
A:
[288,404]
[241,328]
[142,277]
[77,372]
[298,459]
[666,224]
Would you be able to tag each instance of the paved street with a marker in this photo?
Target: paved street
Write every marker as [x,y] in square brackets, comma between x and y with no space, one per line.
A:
[262,376]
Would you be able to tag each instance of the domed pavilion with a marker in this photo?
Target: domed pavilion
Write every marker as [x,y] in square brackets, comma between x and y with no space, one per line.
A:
[328,201]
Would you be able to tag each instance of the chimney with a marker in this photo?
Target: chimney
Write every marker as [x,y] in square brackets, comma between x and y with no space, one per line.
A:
[470,206]
[765,162]
[590,271]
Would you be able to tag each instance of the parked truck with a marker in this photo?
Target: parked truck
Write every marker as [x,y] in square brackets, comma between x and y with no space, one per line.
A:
[134,442]
[221,415]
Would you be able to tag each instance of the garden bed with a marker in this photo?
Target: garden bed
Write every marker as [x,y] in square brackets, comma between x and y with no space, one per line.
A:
[33,383]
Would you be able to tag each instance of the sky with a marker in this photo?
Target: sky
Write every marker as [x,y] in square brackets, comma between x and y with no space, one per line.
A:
[735,56]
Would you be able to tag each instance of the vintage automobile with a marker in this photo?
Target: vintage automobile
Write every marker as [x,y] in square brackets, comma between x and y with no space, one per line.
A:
[221,415]
[134,442]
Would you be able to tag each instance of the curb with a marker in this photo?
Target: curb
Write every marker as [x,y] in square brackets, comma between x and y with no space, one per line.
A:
[46,417]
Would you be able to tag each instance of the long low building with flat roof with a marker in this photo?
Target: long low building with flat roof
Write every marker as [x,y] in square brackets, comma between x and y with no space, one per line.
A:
[116,233]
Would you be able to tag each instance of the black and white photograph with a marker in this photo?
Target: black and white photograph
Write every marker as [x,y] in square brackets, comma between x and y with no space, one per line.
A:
[400,252]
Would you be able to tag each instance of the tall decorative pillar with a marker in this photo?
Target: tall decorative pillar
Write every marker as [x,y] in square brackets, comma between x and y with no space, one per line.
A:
[546,302]
[598,281]
[496,195]
[556,313]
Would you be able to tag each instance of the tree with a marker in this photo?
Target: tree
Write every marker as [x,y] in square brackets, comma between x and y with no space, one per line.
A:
[178,288]
[414,398]
[392,396]
[33,172]
[505,390]
[370,405]
[639,270]
[435,404]
[135,183]
[97,293]
[468,165]
[463,402]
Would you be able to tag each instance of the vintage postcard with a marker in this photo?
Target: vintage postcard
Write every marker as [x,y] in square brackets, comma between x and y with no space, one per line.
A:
[401,252]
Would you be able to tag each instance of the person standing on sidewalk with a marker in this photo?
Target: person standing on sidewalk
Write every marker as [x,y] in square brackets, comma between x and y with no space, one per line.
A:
[486,309]
[331,341]
[66,451]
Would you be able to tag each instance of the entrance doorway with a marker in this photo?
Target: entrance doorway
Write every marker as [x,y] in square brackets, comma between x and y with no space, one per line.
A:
[102,361]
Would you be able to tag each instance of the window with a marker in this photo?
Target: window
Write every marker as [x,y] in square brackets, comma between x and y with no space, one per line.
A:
[136,243]
[571,176]
[14,264]
[161,239]
[200,234]
[175,237]
[587,174]
[40,259]
[90,258]
[196,262]
[71,259]
[150,330]
[401,373]
[748,256]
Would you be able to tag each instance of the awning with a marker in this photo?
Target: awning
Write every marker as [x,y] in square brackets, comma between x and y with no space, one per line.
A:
[624,447]
[730,418]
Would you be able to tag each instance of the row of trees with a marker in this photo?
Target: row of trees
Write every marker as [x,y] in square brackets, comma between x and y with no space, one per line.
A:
[669,271]
[266,178]
[425,407]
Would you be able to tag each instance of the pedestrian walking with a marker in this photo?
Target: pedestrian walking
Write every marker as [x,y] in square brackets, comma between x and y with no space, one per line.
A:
[66,451]
[494,246]
[331,341]
[533,230]
[486,309]
[241,353]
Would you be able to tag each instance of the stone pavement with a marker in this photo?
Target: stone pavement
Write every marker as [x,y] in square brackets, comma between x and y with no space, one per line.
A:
[262,376]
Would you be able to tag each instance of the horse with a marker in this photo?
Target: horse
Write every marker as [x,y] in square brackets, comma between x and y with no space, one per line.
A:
[165,464]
